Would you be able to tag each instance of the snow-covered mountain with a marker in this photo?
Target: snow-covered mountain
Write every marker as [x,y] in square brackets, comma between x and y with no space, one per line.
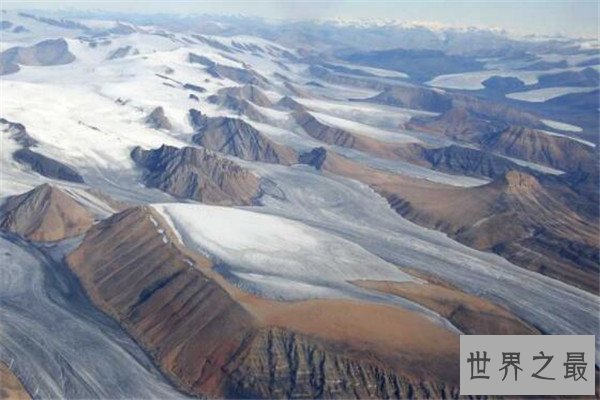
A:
[349,193]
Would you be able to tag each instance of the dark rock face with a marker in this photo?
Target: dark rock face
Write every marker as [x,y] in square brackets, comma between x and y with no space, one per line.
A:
[47,166]
[470,118]
[39,163]
[196,59]
[197,174]
[291,104]
[119,53]
[247,92]
[158,120]
[504,84]
[238,138]
[325,133]
[284,364]
[18,133]
[470,162]
[5,25]
[586,77]
[195,88]
[48,52]
[239,75]
[316,157]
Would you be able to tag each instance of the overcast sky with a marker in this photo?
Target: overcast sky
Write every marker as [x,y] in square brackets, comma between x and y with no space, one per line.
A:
[569,17]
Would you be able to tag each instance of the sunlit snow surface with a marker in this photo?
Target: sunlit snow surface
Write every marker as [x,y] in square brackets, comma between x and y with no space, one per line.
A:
[561,126]
[541,95]
[275,256]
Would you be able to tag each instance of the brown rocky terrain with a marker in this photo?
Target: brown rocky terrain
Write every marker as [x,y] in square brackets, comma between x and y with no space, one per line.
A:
[460,160]
[10,387]
[46,213]
[241,107]
[248,92]
[414,97]
[215,340]
[452,159]
[238,138]
[343,138]
[471,314]
[531,145]
[198,174]
[516,216]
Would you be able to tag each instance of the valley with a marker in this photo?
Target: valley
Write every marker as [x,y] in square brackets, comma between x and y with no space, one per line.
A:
[229,210]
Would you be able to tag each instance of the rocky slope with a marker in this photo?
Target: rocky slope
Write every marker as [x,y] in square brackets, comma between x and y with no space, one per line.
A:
[533,225]
[467,118]
[461,160]
[196,173]
[47,166]
[238,138]
[471,314]
[248,92]
[515,217]
[45,213]
[47,52]
[39,163]
[10,386]
[215,340]
[344,138]
[158,120]
[414,97]
[531,145]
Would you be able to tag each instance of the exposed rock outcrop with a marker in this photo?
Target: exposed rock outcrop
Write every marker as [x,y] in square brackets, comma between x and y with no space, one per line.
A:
[248,92]
[514,216]
[291,104]
[45,53]
[315,158]
[531,223]
[414,97]
[47,166]
[238,138]
[217,341]
[240,75]
[461,160]
[158,120]
[196,173]
[554,151]
[241,107]
[39,163]
[45,213]
[18,133]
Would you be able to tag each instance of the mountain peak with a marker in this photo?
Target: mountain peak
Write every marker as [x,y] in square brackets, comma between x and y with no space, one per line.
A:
[45,213]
